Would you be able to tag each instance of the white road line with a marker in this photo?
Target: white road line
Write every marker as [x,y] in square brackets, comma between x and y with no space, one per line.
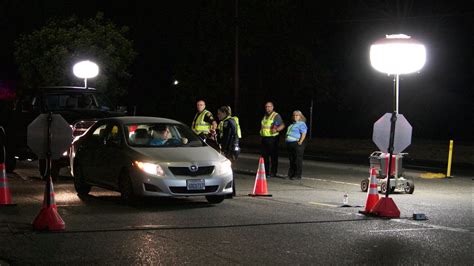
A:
[402,230]
[432,226]
[323,204]
[337,182]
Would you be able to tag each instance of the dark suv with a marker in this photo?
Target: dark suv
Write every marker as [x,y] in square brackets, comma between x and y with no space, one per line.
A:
[80,107]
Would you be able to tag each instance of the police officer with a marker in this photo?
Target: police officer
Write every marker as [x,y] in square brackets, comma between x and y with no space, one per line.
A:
[295,136]
[228,136]
[204,123]
[271,126]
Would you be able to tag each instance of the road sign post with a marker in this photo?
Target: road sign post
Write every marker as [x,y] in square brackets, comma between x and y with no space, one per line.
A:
[382,132]
[393,123]
[45,130]
[398,137]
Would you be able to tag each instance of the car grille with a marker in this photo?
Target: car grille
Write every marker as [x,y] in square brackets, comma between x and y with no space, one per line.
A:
[184,190]
[203,170]
[82,126]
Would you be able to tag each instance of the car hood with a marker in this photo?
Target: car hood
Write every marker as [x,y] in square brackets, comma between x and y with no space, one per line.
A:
[180,154]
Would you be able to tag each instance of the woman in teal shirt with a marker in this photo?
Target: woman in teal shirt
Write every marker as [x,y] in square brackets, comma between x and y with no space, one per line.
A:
[295,136]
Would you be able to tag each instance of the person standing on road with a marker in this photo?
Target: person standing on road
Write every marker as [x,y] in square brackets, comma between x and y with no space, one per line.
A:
[295,136]
[204,123]
[228,136]
[271,126]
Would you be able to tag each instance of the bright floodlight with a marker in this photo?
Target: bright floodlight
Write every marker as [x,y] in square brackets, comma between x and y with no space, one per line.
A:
[85,69]
[397,54]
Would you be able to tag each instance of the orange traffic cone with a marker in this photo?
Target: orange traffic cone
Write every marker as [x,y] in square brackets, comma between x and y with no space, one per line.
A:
[260,187]
[48,218]
[372,193]
[5,196]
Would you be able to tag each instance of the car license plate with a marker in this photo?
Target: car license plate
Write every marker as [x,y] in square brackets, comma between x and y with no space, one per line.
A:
[195,184]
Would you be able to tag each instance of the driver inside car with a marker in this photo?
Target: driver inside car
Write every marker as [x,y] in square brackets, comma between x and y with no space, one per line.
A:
[160,135]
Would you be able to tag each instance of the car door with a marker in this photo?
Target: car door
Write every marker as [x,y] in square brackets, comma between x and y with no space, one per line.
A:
[112,155]
[88,151]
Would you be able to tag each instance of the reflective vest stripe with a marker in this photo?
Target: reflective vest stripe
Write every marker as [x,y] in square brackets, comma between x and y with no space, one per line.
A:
[291,139]
[220,127]
[293,135]
[267,123]
[199,125]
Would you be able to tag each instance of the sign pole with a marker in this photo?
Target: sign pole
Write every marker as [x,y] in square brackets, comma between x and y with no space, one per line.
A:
[393,121]
[48,217]
[48,160]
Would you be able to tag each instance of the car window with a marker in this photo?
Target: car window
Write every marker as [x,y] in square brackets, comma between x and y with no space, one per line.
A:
[75,100]
[161,135]
[114,134]
[98,134]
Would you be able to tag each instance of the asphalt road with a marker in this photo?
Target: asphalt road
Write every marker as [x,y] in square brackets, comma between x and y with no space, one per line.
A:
[303,223]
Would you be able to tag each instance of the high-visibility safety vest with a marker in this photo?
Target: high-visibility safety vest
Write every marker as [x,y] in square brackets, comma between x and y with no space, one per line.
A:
[267,122]
[220,127]
[199,125]
[291,135]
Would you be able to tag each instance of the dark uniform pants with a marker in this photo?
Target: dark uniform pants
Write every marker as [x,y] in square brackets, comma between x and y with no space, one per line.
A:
[295,154]
[270,154]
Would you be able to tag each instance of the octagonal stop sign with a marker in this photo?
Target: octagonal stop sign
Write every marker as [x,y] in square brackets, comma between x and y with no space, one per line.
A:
[37,136]
[402,137]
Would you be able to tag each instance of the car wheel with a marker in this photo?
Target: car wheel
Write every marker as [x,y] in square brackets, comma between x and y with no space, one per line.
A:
[215,199]
[409,187]
[82,188]
[383,188]
[126,188]
[364,185]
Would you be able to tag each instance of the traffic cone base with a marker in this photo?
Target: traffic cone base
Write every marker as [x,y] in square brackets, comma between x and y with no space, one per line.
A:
[5,195]
[49,219]
[372,193]
[260,195]
[386,207]
[260,188]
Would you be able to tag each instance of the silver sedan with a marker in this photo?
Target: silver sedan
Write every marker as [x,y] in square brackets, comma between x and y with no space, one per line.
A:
[149,156]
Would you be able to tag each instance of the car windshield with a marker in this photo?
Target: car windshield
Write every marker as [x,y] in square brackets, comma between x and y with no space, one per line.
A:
[161,135]
[72,100]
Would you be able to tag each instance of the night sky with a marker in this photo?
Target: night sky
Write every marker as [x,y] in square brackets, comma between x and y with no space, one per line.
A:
[290,52]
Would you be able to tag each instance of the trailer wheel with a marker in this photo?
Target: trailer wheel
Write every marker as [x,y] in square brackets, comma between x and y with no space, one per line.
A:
[409,187]
[364,185]
[383,188]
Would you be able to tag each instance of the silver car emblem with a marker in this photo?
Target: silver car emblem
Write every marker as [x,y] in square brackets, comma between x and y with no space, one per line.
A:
[193,168]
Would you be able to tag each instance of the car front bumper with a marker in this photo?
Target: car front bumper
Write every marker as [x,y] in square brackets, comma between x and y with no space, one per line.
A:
[147,185]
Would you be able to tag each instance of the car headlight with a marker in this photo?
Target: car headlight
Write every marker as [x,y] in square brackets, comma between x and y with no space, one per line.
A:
[224,168]
[150,168]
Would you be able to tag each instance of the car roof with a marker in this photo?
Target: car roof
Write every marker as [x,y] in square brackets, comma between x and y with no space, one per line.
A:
[68,88]
[141,119]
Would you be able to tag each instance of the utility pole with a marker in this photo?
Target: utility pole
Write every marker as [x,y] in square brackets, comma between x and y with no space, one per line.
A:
[236,59]
[311,119]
